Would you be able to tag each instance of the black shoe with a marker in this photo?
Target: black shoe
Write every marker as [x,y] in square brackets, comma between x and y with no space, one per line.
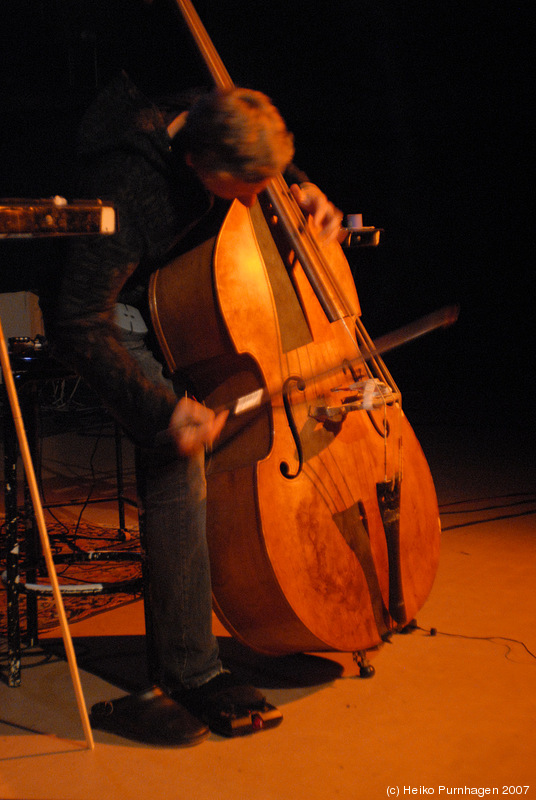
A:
[228,707]
[150,717]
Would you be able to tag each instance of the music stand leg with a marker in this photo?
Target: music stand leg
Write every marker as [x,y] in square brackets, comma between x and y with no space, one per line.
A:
[43,534]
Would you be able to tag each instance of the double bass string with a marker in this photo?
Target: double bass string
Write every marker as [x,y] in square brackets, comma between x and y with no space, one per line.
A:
[213,62]
[329,293]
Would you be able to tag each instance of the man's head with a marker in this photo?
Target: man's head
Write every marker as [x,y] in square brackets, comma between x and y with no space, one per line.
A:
[236,141]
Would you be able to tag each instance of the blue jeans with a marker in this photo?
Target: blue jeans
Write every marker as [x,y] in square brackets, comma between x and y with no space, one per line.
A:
[172,498]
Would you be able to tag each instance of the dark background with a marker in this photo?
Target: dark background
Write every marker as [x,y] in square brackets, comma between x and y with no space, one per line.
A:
[412,112]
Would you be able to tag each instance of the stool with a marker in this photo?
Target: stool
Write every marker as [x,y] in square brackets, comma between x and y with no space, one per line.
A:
[31,367]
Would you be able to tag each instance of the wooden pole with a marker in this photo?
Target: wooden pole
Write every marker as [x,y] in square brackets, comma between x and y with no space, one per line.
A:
[43,534]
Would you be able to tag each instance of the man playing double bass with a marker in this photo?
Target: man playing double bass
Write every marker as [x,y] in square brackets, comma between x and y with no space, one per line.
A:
[167,168]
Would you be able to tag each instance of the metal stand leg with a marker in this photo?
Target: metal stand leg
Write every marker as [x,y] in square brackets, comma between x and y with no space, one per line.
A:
[12,551]
[45,544]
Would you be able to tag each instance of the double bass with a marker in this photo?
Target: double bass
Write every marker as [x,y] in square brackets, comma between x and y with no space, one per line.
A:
[322,518]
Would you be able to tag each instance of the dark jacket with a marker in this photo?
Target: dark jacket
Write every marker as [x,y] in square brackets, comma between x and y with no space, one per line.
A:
[128,159]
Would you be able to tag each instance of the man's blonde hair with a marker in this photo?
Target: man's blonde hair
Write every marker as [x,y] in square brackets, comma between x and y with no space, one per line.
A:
[238,133]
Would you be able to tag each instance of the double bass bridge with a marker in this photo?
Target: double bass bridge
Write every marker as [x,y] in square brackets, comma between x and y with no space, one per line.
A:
[362,395]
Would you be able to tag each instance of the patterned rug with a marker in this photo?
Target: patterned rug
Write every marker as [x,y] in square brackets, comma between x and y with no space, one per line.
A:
[97,569]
